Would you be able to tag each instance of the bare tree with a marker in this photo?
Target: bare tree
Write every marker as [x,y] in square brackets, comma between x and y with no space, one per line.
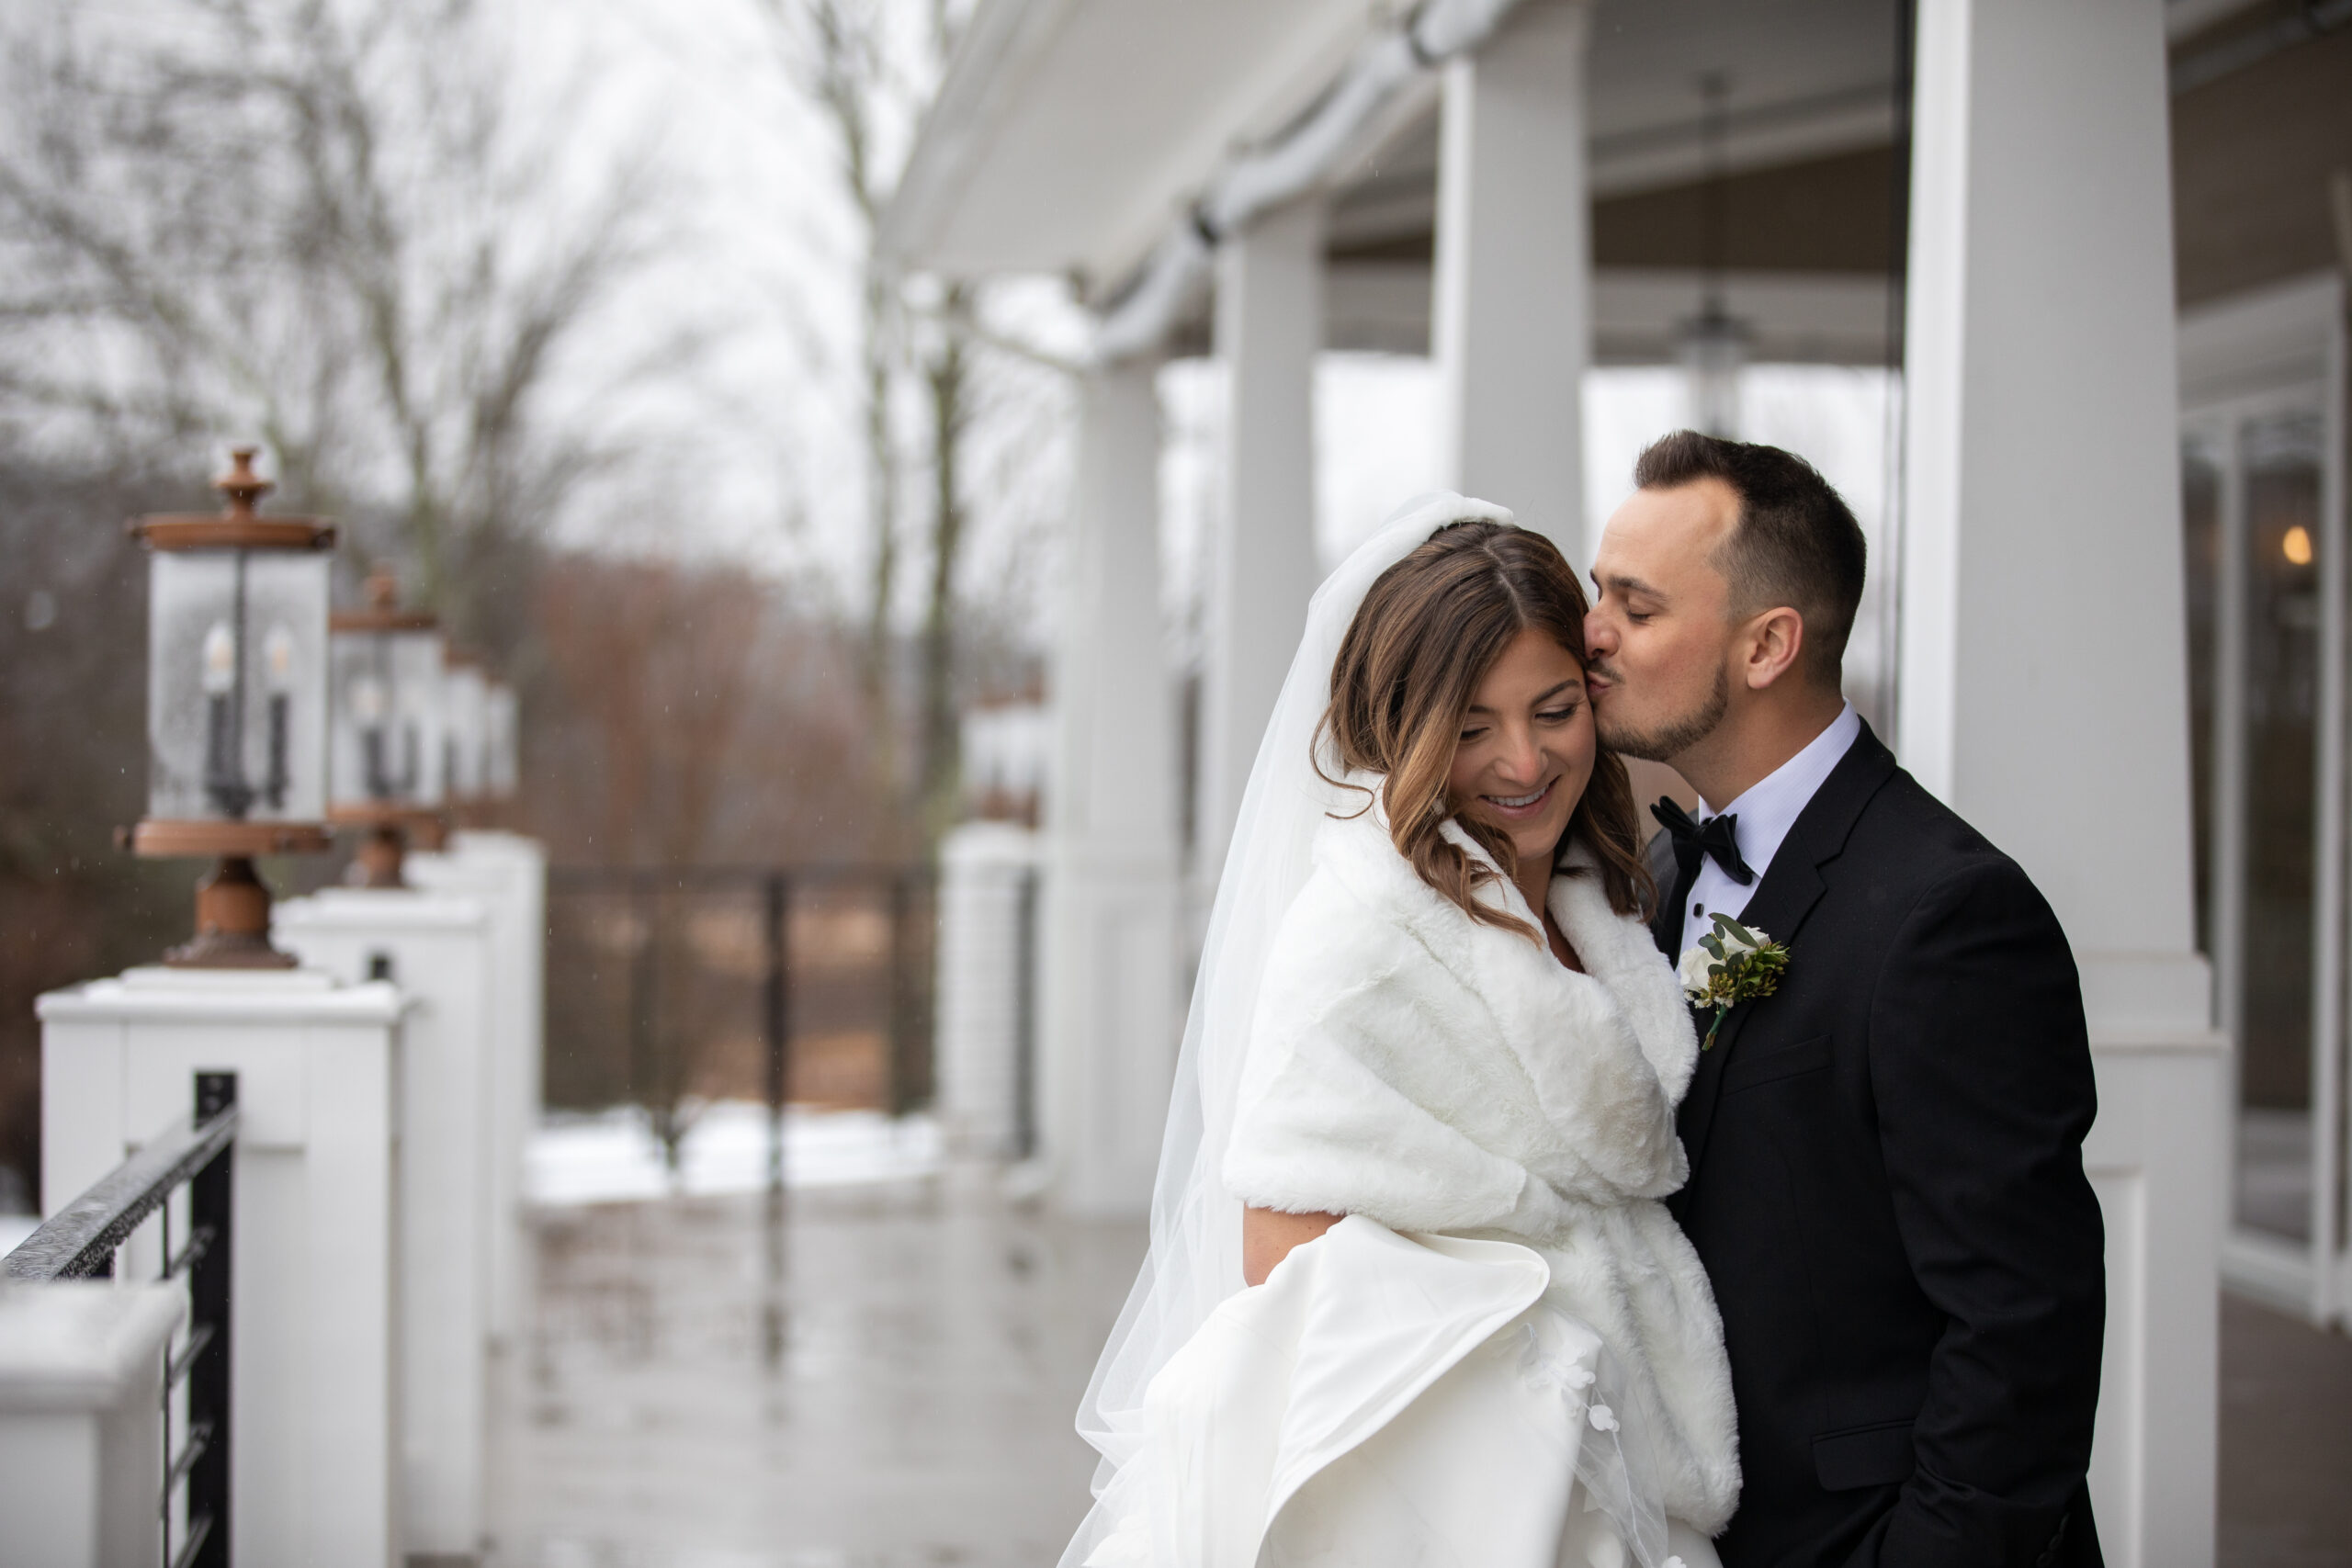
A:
[868,66]
[319,222]
[837,52]
[946,376]
[698,718]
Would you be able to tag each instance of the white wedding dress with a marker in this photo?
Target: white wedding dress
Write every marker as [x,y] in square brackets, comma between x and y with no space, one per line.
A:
[1507,1356]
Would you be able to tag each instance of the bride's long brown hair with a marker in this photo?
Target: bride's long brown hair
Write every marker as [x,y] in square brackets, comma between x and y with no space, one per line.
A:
[1425,636]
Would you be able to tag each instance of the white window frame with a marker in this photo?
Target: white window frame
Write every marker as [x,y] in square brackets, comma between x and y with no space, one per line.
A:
[2272,350]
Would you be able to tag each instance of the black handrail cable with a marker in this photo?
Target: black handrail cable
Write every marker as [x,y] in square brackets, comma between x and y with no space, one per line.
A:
[79,1240]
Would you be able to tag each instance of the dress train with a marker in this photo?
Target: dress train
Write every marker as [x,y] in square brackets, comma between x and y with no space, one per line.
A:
[1392,1401]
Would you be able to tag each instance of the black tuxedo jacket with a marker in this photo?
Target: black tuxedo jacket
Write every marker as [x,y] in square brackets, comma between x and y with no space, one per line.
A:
[1887,1190]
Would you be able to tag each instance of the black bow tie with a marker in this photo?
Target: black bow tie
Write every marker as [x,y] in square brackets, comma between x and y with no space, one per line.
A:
[1715,836]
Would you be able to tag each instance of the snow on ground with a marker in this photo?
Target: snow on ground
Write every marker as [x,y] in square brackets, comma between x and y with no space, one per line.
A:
[613,1156]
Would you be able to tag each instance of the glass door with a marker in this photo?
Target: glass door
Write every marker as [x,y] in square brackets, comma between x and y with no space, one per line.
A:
[2264,558]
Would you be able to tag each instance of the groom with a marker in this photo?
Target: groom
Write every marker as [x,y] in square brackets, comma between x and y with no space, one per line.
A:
[1886,1177]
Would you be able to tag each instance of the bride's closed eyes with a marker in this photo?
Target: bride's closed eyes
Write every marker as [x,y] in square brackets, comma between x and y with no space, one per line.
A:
[1557,714]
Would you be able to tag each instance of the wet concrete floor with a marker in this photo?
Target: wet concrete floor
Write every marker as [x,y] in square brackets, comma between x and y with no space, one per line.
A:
[910,1403]
[902,1398]
[2285,1441]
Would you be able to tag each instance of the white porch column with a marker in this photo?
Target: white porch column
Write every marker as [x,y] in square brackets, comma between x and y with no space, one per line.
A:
[437,948]
[1511,320]
[1264,569]
[2043,680]
[1109,960]
[314,1355]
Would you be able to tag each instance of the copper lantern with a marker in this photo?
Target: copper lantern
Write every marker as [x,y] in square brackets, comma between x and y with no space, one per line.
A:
[236,706]
[385,740]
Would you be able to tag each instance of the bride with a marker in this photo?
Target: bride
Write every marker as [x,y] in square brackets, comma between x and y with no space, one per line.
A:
[1412,1297]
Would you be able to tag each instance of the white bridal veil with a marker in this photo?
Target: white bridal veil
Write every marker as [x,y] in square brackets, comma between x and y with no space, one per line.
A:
[1195,1259]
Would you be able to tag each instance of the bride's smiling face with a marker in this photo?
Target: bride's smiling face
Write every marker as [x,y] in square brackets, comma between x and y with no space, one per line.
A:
[1526,748]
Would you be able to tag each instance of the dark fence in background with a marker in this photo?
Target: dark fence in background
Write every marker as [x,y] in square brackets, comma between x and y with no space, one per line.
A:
[807,984]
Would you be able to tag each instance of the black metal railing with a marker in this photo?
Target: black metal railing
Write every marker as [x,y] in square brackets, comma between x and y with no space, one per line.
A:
[80,1242]
[1024,1018]
[667,985]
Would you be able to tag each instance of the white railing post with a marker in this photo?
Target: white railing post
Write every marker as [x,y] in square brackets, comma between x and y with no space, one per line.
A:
[82,1422]
[437,948]
[314,1359]
[508,873]
[987,875]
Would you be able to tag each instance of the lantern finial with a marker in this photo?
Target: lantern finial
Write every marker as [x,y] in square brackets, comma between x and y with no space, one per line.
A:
[240,484]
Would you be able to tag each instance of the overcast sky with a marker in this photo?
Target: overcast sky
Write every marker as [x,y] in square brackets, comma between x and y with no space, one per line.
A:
[768,451]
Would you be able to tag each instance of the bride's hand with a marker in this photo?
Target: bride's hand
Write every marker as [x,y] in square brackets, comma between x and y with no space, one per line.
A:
[1267,1236]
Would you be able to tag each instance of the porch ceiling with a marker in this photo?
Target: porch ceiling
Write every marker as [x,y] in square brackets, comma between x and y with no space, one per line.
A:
[1070,132]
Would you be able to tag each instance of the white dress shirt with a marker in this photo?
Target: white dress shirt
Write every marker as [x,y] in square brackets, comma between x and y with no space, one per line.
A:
[1766,812]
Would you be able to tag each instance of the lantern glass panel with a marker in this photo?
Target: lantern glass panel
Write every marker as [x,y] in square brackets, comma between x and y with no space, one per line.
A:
[387,723]
[237,686]
[466,696]
[502,761]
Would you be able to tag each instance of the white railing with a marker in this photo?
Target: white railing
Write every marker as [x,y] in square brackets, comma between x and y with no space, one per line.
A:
[377,1091]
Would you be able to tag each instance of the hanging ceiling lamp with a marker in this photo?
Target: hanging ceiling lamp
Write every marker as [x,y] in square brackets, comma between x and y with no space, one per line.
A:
[1712,346]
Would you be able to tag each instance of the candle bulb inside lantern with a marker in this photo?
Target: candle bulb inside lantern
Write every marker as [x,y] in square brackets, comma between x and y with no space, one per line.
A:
[277,669]
[224,773]
[368,709]
[412,745]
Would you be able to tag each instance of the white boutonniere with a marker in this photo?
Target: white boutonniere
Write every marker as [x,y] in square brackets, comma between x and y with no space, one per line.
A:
[1730,965]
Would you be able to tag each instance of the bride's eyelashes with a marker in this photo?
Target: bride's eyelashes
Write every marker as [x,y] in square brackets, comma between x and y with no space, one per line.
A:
[1548,716]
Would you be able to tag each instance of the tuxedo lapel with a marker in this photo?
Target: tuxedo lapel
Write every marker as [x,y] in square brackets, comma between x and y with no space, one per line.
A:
[1793,884]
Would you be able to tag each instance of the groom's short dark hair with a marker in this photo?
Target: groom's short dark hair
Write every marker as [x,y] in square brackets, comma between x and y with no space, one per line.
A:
[1797,543]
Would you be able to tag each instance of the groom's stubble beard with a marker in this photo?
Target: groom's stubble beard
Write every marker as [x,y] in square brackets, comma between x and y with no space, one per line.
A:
[1665,741]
